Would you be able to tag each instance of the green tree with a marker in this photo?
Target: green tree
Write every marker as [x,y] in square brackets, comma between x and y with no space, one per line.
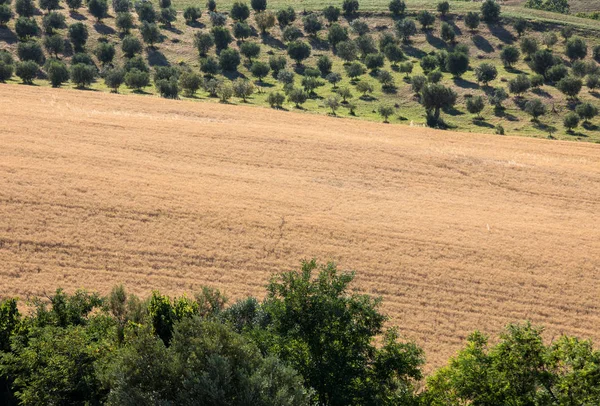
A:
[258,5]
[519,85]
[52,21]
[406,28]
[98,8]
[275,99]
[131,46]
[535,108]
[397,7]
[570,86]
[26,28]
[571,121]
[529,46]
[260,70]
[457,64]
[298,97]
[105,52]
[78,34]
[229,60]
[298,51]
[312,24]
[385,112]
[443,8]
[203,41]
[336,34]
[113,79]
[124,22]
[191,14]
[250,50]
[265,20]
[350,7]
[222,37]
[25,8]
[520,26]
[167,16]
[490,11]
[57,71]
[472,20]
[239,11]
[435,97]
[82,75]
[576,48]
[475,105]
[241,30]
[27,71]
[447,33]
[150,33]
[426,19]
[509,56]
[485,73]
[586,111]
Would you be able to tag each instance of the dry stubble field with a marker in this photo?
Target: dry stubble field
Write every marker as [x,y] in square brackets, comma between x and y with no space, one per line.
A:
[455,231]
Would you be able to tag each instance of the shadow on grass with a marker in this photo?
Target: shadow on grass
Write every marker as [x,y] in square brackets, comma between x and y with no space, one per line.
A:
[156,58]
[172,29]
[452,111]
[196,24]
[272,42]
[104,29]
[541,93]
[7,36]
[435,41]
[482,44]
[414,52]
[498,31]
[479,122]
[75,15]
[465,84]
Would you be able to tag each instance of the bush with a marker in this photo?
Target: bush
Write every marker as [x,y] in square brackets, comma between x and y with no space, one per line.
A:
[243,88]
[443,8]
[297,96]
[472,20]
[137,62]
[57,72]
[576,48]
[124,22]
[490,11]
[98,8]
[334,78]
[571,121]
[167,16]
[136,79]
[397,7]
[298,51]
[222,37]
[105,52]
[167,88]
[258,5]
[311,24]
[82,75]
[535,108]
[355,69]
[374,61]
[150,33]
[131,46]
[26,27]
[277,63]
[27,71]
[529,46]
[406,68]
[570,86]
[209,66]
[336,34]
[417,83]
[550,39]
[485,73]
[586,111]
[350,7]
[191,14]
[241,30]
[203,41]
[30,51]
[145,12]
[25,8]
[229,60]
[447,33]
[5,15]
[426,19]
[406,28]
[275,99]
[457,63]
[497,97]
[520,26]
[286,16]
[114,78]
[260,70]
[239,11]
[324,64]
[519,85]
[78,34]
[475,105]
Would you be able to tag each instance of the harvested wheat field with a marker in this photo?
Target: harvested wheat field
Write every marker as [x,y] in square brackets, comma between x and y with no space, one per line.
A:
[455,231]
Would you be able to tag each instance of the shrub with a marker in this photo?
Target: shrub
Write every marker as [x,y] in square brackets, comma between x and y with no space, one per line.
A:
[150,33]
[243,88]
[209,66]
[350,7]
[520,26]
[239,11]
[397,7]
[334,78]
[566,32]
[355,69]
[570,86]
[217,19]
[114,78]
[490,11]
[277,63]
[131,46]
[203,41]
[556,73]
[434,76]
[191,14]
[435,97]
[457,63]
[258,5]
[472,20]
[586,111]
[550,39]
[297,96]
[529,46]
[576,48]
[250,50]
[499,130]
[264,21]
[426,19]
[374,61]
[406,68]
[275,99]
[82,75]
[535,108]
[211,5]
[286,77]
[105,52]
[347,50]
[286,16]
[145,12]
[336,34]
[5,15]
[57,72]
[475,105]
[260,70]
[497,97]
[211,85]
[124,22]
[27,71]
[222,37]
[519,85]
[136,79]
[311,24]
[241,30]
[571,121]
[537,80]
[485,73]
[78,34]
[386,79]
[54,44]
[310,83]
[225,92]
[166,17]
[30,51]
[25,8]
[593,82]
[443,8]
[98,8]
[312,72]
[137,62]
[26,27]
[406,28]
[447,33]
[229,59]
[332,102]
[385,112]
[417,83]
[324,64]
[167,88]
[360,26]
[291,33]
[298,51]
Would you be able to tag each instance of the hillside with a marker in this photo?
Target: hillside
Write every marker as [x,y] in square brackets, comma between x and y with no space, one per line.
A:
[456,231]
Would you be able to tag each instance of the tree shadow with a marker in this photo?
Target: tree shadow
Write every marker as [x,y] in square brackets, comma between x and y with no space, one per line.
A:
[498,31]
[541,93]
[435,41]
[389,89]
[69,51]
[273,42]
[104,29]
[156,58]
[595,94]
[319,44]
[7,36]
[233,75]
[414,52]
[452,111]
[368,98]
[514,70]
[501,112]
[456,28]
[196,24]
[465,84]
[577,134]
[481,123]
[482,44]
[299,69]
[172,29]
[589,126]
[75,15]
[140,91]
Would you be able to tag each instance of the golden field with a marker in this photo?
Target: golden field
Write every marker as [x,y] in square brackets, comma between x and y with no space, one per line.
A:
[455,231]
